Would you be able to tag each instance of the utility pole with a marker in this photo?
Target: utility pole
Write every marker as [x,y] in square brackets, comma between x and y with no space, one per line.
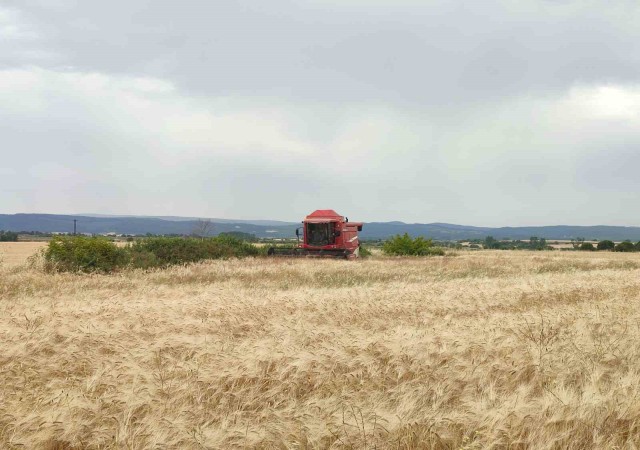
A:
[75,222]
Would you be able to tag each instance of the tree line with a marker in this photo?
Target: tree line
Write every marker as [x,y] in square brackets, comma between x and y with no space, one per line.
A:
[536,243]
[607,245]
[8,236]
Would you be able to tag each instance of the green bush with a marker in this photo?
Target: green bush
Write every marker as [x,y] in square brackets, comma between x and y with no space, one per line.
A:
[406,246]
[166,251]
[240,247]
[249,237]
[364,252]
[606,245]
[84,254]
[587,246]
[625,246]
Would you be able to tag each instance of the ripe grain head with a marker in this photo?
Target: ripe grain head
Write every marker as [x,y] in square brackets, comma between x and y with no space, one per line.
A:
[481,350]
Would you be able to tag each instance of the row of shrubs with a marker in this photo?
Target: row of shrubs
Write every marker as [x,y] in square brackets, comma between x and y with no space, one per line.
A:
[626,246]
[99,254]
[96,254]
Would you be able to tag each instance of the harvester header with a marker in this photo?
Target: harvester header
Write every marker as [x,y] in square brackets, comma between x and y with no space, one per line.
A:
[324,233]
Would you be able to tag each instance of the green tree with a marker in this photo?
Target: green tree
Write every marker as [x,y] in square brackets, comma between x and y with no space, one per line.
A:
[606,245]
[536,243]
[491,242]
[625,246]
[8,236]
[587,246]
[577,242]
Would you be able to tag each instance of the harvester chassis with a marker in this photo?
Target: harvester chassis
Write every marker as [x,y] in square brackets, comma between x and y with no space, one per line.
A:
[324,234]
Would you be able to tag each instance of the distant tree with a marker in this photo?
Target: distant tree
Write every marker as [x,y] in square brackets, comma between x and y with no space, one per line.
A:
[606,245]
[637,246]
[625,246]
[8,236]
[587,246]
[202,228]
[536,243]
[491,242]
[577,242]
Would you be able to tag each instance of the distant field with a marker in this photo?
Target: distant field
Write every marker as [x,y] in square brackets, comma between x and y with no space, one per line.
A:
[490,349]
[16,253]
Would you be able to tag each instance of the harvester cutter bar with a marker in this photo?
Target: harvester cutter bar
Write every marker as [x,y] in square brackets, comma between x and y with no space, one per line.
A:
[307,253]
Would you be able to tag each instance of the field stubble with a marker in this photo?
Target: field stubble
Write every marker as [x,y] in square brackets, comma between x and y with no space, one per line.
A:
[480,350]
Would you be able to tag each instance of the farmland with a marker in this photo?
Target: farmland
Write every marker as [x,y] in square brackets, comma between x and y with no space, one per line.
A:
[488,349]
[17,253]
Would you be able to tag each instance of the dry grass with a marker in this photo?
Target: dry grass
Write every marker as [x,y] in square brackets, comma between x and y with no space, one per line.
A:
[480,350]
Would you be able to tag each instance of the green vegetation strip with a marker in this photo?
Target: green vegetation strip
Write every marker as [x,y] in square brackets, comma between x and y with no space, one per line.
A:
[97,254]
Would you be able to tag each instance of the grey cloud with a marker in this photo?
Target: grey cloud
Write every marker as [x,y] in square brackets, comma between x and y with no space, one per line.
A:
[436,52]
[611,167]
[442,111]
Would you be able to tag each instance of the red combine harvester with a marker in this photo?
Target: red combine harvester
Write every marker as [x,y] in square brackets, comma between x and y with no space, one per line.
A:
[325,233]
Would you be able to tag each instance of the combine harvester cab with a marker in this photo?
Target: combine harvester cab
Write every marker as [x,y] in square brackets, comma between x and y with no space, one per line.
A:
[325,234]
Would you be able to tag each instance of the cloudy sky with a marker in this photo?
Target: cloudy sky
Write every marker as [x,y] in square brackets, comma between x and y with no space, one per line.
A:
[492,112]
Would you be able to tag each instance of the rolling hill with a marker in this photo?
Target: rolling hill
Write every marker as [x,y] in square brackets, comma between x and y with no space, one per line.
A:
[269,228]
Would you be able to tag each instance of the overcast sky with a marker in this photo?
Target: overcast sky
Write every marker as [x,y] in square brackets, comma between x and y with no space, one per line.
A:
[512,112]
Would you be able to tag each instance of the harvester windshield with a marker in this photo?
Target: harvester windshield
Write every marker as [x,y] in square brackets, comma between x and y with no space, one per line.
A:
[320,234]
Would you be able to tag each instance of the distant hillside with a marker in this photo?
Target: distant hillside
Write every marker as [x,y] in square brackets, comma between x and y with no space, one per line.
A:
[266,223]
[269,228]
[440,231]
[129,225]
[444,231]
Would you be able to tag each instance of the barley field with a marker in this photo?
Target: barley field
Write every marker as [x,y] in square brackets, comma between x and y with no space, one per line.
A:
[503,350]
[17,253]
